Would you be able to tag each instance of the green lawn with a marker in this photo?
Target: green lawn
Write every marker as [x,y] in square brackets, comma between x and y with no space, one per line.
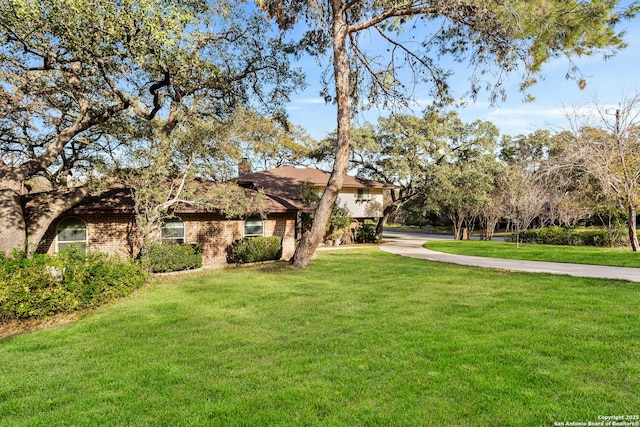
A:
[621,257]
[361,337]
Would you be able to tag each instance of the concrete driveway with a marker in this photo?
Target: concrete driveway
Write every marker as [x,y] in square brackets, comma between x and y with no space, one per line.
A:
[410,245]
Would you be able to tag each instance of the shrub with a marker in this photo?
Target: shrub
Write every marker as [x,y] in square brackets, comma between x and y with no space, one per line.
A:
[163,258]
[366,234]
[570,236]
[255,249]
[605,237]
[43,285]
[340,218]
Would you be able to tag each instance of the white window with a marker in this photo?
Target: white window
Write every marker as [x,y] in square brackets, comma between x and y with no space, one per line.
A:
[253,226]
[363,194]
[173,231]
[72,232]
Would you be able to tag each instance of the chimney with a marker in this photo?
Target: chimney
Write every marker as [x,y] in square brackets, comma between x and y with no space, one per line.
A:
[244,167]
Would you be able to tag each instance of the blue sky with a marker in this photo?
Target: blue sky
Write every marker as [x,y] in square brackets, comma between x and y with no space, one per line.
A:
[608,82]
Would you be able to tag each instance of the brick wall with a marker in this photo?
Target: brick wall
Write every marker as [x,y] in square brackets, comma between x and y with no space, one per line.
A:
[283,226]
[117,233]
[215,234]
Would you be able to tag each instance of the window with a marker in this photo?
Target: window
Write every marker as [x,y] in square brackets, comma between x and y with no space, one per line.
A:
[363,194]
[72,232]
[173,231]
[253,226]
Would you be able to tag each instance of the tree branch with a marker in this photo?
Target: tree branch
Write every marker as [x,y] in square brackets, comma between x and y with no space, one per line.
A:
[391,13]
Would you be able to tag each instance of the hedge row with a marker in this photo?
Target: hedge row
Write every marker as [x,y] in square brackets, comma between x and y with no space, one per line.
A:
[41,285]
[163,258]
[255,249]
[570,236]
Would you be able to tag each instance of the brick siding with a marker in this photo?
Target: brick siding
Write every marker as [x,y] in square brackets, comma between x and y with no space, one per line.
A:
[117,233]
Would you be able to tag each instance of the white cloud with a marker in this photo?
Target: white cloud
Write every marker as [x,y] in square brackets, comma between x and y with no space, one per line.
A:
[309,101]
[515,120]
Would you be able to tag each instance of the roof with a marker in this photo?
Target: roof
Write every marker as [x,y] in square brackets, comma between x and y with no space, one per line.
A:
[284,181]
[115,199]
[119,199]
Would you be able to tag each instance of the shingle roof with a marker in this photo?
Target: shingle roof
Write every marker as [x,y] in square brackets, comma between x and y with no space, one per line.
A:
[115,199]
[118,199]
[284,181]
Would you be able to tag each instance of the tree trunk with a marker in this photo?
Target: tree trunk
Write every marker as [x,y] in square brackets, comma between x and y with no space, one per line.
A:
[312,238]
[470,227]
[391,209]
[633,233]
[13,228]
[386,214]
[22,226]
[457,227]
[490,227]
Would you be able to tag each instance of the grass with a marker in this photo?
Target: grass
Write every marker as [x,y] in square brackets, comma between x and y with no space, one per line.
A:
[620,257]
[361,337]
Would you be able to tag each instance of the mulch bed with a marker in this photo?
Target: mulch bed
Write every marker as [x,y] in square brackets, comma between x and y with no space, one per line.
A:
[16,327]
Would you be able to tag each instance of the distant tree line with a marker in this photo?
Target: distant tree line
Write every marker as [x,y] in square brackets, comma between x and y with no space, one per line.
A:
[468,175]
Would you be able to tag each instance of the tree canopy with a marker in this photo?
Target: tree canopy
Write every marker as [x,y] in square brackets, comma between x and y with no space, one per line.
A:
[80,77]
[421,156]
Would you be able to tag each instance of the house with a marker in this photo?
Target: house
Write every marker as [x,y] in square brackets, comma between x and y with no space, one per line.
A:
[105,222]
[363,198]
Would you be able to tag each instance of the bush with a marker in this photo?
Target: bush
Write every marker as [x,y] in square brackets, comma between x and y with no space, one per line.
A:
[44,285]
[605,237]
[570,236]
[366,234]
[255,249]
[163,258]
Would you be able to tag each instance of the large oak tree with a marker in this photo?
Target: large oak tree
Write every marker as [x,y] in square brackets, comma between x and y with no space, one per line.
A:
[498,37]
[80,77]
